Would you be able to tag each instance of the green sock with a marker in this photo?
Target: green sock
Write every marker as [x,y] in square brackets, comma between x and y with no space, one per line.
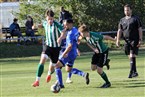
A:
[40,70]
[50,72]
[105,78]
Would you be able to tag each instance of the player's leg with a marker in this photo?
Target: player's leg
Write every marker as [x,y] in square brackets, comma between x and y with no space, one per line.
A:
[104,77]
[128,52]
[40,69]
[68,80]
[97,63]
[69,68]
[53,60]
[50,71]
[133,53]
[106,62]
[58,72]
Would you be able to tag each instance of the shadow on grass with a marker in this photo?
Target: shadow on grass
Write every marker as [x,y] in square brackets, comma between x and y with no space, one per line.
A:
[129,83]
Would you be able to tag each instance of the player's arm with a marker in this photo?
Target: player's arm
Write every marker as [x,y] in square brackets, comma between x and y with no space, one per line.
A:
[67,50]
[119,33]
[62,36]
[106,37]
[94,49]
[140,36]
[79,39]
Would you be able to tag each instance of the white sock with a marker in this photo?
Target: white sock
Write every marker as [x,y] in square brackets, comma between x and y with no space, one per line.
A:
[37,78]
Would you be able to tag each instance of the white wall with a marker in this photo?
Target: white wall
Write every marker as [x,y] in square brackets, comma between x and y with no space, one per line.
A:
[6,9]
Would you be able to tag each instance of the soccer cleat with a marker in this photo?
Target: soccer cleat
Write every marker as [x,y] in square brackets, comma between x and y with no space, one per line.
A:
[135,74]
[130,75]
[106,85]
[107,64]
[48,78]
[87,78]
[35,84]
[61,86]
[68,81]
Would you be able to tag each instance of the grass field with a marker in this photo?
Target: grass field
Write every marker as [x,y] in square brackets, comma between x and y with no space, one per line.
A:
[17,75]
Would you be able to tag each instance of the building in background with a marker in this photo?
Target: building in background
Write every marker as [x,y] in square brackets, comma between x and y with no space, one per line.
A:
[6,10]
[9,0]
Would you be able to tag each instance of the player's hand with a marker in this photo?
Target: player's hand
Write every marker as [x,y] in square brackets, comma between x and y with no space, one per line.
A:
[96,51]
[64,55]
[139,43]
[117,43]
[59,41]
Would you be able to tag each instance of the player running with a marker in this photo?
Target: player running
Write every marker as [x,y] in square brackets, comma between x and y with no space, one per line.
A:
[68,57]
[52,31]
[95,42]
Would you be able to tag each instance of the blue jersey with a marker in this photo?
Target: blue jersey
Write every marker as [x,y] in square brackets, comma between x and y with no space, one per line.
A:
[72,39]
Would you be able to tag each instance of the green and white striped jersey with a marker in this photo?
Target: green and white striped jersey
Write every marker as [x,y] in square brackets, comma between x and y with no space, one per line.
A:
[96,40]
[52,33]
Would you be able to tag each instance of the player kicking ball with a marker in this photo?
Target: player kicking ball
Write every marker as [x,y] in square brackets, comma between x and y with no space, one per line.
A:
[69,55]
[95,42]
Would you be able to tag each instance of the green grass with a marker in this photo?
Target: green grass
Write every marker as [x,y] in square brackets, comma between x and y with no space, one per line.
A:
[17,75]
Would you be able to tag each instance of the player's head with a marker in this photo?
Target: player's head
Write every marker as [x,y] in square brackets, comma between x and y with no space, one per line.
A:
[68,24]
[29,18]
[49,16]
[62,8]
[15,20]
[83,29]
[128,10]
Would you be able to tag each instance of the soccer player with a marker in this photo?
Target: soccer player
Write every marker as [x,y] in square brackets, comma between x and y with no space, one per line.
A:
[52,31]
[68,57]
[95,42]
[63,47]
[131,28]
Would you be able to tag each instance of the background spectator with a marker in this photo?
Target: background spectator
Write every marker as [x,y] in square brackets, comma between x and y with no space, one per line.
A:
[15,29]
[64,14]
[29,26]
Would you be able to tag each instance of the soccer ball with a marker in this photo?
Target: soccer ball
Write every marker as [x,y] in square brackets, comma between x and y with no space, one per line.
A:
[55,88]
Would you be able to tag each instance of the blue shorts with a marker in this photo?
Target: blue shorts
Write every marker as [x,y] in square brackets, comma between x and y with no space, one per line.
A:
[69,61]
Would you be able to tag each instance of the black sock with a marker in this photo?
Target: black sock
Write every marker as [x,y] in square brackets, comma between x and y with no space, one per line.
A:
[134,64]
[104,77]
[131,65]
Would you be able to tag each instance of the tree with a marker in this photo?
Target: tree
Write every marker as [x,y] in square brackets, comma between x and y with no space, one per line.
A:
[101,15]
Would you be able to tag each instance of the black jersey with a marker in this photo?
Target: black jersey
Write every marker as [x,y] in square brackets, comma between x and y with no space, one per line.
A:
[130,27]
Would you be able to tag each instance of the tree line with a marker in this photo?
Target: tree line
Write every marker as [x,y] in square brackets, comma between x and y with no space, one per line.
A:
[100,15]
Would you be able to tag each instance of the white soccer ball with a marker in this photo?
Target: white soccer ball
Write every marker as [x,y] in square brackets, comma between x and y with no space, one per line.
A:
[55,88]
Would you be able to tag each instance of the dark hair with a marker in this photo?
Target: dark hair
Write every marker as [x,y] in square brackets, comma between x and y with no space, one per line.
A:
[83,28]
[69,21]
[15,19]
[49,13]
[62,7]
[128,5]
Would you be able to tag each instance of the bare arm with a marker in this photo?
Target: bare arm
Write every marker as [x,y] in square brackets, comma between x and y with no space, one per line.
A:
[106,37]
[94,49]
[140,36]
[140,33]
[119,33]
[67,50]
[62,36]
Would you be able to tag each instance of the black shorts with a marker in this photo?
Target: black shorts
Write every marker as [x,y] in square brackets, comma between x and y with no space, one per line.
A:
[100,59]
[131,47]
[53,53]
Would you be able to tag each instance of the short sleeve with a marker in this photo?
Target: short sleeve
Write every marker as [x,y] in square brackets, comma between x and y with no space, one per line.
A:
[70,38]
[139,23]
[98,35]
[59,26]
[44,23]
